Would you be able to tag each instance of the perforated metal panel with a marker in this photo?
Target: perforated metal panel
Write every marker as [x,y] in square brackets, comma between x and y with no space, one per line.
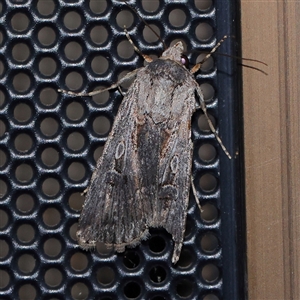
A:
[49,144]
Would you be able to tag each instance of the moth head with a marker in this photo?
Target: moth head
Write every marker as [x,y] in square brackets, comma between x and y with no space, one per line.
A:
[174,52]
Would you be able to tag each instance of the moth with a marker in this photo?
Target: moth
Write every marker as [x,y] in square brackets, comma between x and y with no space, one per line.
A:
[143,178]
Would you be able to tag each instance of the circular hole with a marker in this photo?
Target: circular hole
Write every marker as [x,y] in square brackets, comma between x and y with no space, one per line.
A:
[24,173]
[203,4]
[2,99]
[208,183]
[177,17]
[27,291]
[207,153]
[97,7]
[2,68]
[101,98]
[20,52]
[99,64]
[105,275]
[210,297]
[80,291]
[103,250]
[184,288]
[51,217]
[50,187]
[3,219]
[50,157]
[49,127]
[98,153]
[3,158]
[52,247]
[131,259]
[209,213]
[3,188]
[210,273]
[157,244]
[75,111]
[2,128]
[75,141]
[4,279]
[132,290]
[22,112]
[25,203]
[124,18]
[21,82]
[76,171]
[185,259]
[72,231]
[207,65]
[125,49]
[207,91]
[46,36]
[72,20]
[53,277]
[76,201]
[23,142]
[157,274]
[48,96]
[4,249]
[47,66]
[204,32]
[203,124]
[19,22]
[73,51]
[149,35]
[45,8]
[74,81]
[150,6]
[101,125]
[99,34]
[26,263]
[79,261]
[209,243]
[25,233]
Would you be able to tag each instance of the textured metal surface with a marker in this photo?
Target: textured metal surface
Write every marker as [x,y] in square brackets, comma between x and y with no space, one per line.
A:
[49,144]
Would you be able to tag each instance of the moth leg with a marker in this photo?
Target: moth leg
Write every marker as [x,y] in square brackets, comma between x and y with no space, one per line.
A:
[128,76]
[198,66]
[210,124]
[195,195]
[136,49]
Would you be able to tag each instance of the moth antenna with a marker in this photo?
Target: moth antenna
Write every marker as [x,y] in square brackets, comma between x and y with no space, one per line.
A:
[244,58]
[198,66]
[254,68]
[247,59]
[156,34]
[136,49]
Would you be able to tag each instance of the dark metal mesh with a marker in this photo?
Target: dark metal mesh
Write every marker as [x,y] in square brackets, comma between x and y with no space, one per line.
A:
[49,144]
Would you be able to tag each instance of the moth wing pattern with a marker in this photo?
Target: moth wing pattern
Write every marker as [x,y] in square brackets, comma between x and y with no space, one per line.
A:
[143,178]
[110,212]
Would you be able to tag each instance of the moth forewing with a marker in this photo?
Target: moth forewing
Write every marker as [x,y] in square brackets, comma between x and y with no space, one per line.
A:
[143,178]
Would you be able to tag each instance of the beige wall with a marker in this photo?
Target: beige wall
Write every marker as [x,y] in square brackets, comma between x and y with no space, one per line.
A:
[272,155]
